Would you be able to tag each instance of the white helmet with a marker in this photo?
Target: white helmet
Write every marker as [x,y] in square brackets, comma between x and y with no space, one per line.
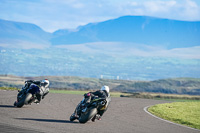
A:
[45,82]
[106,88]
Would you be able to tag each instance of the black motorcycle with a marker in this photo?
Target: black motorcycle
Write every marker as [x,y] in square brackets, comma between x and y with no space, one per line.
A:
[90,110]
[27,95]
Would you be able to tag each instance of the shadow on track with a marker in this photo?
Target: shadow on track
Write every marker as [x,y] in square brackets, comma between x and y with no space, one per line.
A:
[7,106]
[48,120]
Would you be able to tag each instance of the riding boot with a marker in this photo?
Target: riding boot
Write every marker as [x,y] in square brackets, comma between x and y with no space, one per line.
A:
[93,119]
[38,98]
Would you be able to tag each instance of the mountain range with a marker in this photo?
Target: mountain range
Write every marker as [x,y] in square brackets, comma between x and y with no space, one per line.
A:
[128,47]
[15,33]
[140,30]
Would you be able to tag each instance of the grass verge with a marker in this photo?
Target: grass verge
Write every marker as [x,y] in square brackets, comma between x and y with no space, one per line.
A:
[185,113]
[8,88]
[113,94]
[68,92]
[161,96]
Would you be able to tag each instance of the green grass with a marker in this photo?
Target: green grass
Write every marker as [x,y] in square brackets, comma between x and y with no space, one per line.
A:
[78,92]
[178,100]
[68,92]
[162,96]
[113,94]
[8,88]
[185,113]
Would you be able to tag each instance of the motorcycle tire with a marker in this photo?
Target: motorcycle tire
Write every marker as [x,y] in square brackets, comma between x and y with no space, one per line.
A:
[20,102]
[89,114]
[27,99]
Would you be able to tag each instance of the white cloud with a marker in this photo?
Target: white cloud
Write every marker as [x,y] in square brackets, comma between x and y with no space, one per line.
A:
[52,15]
[171,9]
[159,6]
[191,9]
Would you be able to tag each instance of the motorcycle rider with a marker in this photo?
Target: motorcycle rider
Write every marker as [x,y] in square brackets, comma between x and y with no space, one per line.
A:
[44,90]
[40,86]
[102,93]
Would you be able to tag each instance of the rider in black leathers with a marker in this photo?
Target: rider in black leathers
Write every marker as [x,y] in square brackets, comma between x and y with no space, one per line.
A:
[103,93]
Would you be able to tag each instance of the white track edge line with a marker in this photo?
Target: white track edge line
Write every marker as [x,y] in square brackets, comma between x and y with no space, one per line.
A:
[145,109]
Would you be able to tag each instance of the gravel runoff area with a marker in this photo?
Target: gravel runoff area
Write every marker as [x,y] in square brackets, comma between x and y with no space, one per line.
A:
[124,115]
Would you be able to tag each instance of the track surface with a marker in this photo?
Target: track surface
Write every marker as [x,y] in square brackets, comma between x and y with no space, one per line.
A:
[124,115]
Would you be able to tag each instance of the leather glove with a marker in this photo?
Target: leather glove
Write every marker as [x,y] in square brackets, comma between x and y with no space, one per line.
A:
[87,94]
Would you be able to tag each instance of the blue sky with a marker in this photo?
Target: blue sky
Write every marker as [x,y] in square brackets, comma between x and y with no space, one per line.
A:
[52,15]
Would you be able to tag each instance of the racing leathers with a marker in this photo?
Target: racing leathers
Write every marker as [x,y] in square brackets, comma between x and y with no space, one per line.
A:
[40,86]
[88,97]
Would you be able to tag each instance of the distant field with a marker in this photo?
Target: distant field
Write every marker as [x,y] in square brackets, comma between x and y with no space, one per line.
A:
[8,88]
[186,113]
[113,94]
[161,96]
[158,96]
[186,86]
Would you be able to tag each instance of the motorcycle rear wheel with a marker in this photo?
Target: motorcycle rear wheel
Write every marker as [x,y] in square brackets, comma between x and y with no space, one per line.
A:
[90,113]
[27,99]
[24,100]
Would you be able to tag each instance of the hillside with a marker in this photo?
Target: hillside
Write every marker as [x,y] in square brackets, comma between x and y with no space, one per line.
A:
[136,29]
[128,48]
[15,34]
[189,86]
[140,30]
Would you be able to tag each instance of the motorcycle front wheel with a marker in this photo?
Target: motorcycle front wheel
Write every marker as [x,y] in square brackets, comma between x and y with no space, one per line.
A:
[20,101]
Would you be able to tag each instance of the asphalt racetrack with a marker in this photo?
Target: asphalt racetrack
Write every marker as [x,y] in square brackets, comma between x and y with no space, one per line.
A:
[124,115]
